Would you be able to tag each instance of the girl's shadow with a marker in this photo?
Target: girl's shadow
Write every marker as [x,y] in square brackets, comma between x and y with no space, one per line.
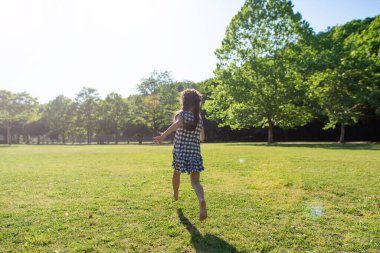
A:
[207,243]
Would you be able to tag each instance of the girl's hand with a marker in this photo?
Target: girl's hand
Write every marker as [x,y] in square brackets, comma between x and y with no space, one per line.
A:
[158,139]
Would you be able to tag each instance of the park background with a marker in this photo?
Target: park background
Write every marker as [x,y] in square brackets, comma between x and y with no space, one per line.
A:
[273,79]
[334,71]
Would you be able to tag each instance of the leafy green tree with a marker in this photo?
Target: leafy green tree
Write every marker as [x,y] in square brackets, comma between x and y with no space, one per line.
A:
[37,129]
[364,61]
[139,124]
[77,133]
[348,82]
[60,115]
[15,107]
[153,111]
[87,102]
[160,97]
[114,113]
[137,128]
[36,126]
[259,84]
[152,83]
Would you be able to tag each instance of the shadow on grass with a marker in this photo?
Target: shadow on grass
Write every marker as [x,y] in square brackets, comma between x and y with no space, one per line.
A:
[347,146]
[207,243]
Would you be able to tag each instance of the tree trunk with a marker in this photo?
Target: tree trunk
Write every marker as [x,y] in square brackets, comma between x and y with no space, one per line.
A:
[270,130]
[88,138]
[140,139]
[117,137]
[38,140]
[342,133]
[9,135]
[63,139]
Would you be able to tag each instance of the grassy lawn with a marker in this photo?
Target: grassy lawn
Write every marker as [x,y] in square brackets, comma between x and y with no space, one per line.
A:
[296,197]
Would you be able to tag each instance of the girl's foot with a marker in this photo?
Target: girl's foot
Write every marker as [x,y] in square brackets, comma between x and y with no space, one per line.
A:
[202,210]
[175,196]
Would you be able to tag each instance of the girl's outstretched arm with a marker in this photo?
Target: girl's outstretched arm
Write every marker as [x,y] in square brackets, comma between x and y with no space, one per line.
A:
[202,135]
[176,124]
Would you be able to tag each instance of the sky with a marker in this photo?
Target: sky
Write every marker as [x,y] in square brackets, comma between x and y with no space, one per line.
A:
[54,47]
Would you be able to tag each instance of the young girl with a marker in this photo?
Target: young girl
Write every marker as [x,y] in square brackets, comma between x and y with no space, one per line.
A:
[187,158]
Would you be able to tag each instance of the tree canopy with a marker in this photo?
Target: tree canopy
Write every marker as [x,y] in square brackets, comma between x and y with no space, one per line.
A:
[259,82]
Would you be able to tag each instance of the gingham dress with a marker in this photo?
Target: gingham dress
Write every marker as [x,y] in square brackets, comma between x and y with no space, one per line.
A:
[187,152]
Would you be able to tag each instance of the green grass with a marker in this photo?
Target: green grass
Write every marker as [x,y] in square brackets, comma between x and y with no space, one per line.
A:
[295,197]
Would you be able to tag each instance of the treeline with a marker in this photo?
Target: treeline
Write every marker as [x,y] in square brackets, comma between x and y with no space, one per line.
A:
[273,72]
[89,118]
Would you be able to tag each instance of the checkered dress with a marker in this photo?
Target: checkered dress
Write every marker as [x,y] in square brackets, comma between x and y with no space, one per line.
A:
[187,152]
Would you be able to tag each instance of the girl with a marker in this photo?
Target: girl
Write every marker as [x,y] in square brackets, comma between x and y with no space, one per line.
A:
[187,158]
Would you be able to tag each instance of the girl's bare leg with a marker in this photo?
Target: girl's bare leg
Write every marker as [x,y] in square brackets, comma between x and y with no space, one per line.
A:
[176,180]
[200,194]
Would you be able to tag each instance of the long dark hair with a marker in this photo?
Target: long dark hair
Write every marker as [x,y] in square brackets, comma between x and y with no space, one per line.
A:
[191,101]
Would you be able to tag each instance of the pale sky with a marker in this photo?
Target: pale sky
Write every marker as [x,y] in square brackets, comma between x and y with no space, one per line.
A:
[51,47]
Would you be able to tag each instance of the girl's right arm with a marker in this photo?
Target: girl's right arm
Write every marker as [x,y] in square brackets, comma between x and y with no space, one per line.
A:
[176,124]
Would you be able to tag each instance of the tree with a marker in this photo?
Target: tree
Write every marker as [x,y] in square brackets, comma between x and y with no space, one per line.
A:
[258,82]
[159,93]
[114,113]
[153,111]
[15,107]
[364,59]
[60,115]
[152,83]
[87,102]
[37,129]
[139,124]
[349,81]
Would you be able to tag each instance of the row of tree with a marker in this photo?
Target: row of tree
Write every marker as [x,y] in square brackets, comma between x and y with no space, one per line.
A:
[273,71]
[88,117]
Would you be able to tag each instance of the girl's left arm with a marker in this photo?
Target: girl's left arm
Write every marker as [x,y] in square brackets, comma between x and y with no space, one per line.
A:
[177,124]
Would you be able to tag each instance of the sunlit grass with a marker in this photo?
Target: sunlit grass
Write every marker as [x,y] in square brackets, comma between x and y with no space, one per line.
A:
[286,197]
